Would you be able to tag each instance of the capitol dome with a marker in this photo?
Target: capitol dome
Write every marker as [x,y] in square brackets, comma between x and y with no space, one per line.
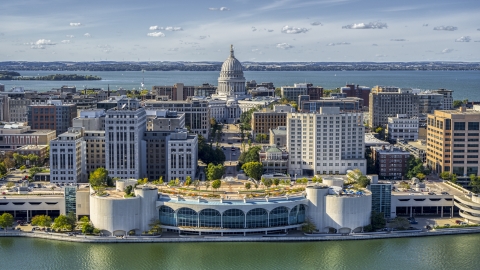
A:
[231,81]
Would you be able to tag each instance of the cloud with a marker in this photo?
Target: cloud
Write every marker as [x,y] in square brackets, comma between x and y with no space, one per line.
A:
[70,36]
[293,30]
[374,44]
[269,30]
[447,50]
[75,24]
[42,42]
[445,28]
[380,55]
[37,47]
[156,34]
[371,25]
[202,37]
[173,49]
[254,29]
[425,24]
[284,46]
[338,43]
[316,23]
[463,39]
[87,35]
[398,39]
[219,9]
[168,28]
[478,29]
[65,41]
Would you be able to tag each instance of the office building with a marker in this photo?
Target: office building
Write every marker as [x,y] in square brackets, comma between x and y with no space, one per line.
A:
[178,91]
[328,142]
[53,115]
[67,158]
[41,151]
[429,102]
[381,197]
[16,135]
[453,141]
[262,122]
[389,104]
[278,136]
[447,98]
[205,90]
[402,128]
[125,147]
[390,162]
[292,92]
[357,91]
[418,148]
[385,89]
[182,155]
[349,104]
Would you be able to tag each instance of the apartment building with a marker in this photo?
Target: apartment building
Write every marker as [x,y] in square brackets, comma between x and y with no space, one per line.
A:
[429,102]
[197,113]
[53,115]
[205,90]
[262,122]
[390,162]
[178,91]
[418,148]
[357,91]
[278,136]
[389,104]
[447,98]
[125,147]
[16,135]
[292,92]
[349,104]
[182,155]
[67,158]
[327,142]
[453,141]
[385,89]
[402,127]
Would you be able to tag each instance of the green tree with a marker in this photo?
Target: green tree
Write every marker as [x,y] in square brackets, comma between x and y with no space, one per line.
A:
[19,159]
[267,182]
[248,186]
[6,220]
[377,220]
[216,184]
[160,180]
[8,162]
[415,166]
[475,183]
[155,226]
[276,182]
[458,103]
[3,169]
[208,154]
[454,178]
[98,178]
[42,221]
[34,171]
[400,223]
[363,181]
[207,184]
[253,169]
[420,176]
[128,190]
[84,219]
[188,181]
[308,226]
[445,176]
[62,223]
[215,172]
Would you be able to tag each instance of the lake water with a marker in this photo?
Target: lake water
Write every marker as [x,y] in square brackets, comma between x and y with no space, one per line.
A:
[466,84]
[439,252]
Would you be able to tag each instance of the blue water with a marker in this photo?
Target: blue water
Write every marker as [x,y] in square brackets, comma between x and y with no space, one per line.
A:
[466,84]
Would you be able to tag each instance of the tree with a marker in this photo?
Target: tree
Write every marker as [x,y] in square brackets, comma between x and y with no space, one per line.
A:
[474,183]
[19,159]
[196,183]
[454,178]
[84,219]
[188,181]
[128,190]
[208,154]
[458,103]
[377,220]
[6,220]
[216,184]
[276,182]
[400,223]
[9,163]
[207,185]
[253,169]
[308,226]
[420,176]
[445,176]
[160,180]
[42,220]
[62,223]
[3,169]
[248,185]
[267,182]
[155,226]
[98,178]
[215,172]
[415,166]
[34,171]
[256,186]
[363,181]
[250,155]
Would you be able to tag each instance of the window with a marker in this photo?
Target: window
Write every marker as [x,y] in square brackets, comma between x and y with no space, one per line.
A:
[187,217]
[233,219]
[210,218]
[278,217]
[459,126]
[473,126]
[257,218]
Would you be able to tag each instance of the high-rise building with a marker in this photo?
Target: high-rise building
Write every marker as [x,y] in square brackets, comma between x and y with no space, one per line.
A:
[182,155]
[447,98]
[357,91]
[205,90]
[389,104]
[381,198]
[349,104]
[453,141]
[402,128]
[67,158]
[292,92]
[53,115]
[328,142]
[125,147]
[177,91]
[429,102]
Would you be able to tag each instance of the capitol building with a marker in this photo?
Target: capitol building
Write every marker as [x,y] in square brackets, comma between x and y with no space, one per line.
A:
[231,98]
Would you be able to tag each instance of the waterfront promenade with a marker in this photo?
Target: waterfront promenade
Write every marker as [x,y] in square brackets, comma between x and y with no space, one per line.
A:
[296,237]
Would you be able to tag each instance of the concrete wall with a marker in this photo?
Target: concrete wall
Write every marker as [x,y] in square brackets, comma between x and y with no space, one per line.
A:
[349,212]
[115,215]
[148,210]
[316,205]
[83,202]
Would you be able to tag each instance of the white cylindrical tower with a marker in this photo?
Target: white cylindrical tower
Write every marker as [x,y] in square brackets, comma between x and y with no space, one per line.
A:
[316,204]
[148,207]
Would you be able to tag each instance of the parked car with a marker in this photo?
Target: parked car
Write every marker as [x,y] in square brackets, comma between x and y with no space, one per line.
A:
[444,193]
[458,222]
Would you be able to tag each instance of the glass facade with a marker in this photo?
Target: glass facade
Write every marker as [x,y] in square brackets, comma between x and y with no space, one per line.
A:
[257,218]
[187,217]
[71,200]
[382,198]
[278,217]
[167,216]
[210,218]
[233,219]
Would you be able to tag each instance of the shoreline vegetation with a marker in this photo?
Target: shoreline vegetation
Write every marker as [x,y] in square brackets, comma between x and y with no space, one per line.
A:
[15,76]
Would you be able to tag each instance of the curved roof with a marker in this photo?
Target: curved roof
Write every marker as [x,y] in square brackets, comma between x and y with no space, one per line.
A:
[231,66]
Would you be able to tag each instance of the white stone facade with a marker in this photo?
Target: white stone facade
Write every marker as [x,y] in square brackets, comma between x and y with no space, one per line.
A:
[182,155]
[67,157]
[402,128]
[328,142]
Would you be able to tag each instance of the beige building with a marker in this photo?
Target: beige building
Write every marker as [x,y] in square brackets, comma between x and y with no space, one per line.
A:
[16,135]
[453,141]
[389,104]
[278,136]
[263,121]
[95,150]
[39,150]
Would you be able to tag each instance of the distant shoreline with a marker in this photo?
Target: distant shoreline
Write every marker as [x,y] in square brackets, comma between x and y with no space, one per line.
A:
[90,239]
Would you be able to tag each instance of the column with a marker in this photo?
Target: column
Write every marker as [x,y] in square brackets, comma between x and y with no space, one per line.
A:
[411,210]
[441,215]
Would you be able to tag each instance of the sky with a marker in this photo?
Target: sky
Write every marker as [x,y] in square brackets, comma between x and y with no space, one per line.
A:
[260,30]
